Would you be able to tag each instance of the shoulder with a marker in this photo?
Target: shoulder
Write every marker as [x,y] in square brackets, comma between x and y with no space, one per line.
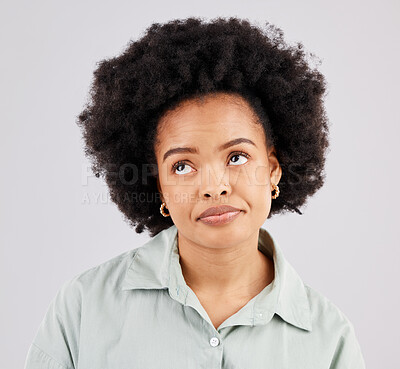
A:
[331,323]
[108,274]
[325,313]
[333,328]
[57,339]
[91,285]
[56,343]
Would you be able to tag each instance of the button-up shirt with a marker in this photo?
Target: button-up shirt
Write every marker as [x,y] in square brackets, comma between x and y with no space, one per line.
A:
[135,311]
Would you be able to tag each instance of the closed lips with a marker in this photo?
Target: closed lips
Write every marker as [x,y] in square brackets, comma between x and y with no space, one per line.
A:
[218,210]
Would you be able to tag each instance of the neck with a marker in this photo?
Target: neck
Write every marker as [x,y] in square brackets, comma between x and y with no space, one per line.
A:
[237,272]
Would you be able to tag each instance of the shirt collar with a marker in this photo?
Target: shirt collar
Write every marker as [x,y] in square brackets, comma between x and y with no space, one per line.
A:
[155,265]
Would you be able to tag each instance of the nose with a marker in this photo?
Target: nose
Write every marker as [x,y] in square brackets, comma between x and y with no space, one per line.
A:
[214,184]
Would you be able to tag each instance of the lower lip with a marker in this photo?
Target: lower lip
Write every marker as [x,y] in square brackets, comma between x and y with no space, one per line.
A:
[221,219]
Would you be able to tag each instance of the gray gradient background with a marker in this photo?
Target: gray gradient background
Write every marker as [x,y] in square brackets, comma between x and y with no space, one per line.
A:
[55,217]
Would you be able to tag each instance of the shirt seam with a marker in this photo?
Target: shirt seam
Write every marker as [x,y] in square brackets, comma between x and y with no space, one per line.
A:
[135,252]
[134,257]
[171,239]
[50,357]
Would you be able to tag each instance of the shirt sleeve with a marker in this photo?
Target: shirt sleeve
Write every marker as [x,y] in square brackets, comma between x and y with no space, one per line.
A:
[348,353]
[56,343]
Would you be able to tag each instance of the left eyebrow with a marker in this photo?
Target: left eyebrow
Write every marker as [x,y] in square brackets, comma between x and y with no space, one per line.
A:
[195,150]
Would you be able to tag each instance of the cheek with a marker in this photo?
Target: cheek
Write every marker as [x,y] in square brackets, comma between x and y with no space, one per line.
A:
[175,188]
[258,195]
[257,188]
[261,175]
[182,196]
[260,202]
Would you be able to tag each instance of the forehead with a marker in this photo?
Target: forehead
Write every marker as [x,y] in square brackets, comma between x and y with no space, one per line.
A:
[213,119]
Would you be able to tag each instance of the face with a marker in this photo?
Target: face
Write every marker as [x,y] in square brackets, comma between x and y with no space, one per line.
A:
[199,169]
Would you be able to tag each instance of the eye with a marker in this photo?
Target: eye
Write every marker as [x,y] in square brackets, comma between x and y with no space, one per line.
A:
[180,164]
[179,167]
[238,154]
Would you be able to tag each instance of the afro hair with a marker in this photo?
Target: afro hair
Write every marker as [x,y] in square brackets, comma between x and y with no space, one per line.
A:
[189,58]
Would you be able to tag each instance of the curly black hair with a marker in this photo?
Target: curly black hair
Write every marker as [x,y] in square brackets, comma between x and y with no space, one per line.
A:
[190,58]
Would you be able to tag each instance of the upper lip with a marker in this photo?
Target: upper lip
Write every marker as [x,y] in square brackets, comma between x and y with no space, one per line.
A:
[217,210]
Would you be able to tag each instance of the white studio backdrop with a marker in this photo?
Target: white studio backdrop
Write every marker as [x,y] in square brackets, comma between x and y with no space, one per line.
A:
[56,219]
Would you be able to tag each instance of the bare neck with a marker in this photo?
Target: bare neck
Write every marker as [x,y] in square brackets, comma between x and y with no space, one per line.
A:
[237,272]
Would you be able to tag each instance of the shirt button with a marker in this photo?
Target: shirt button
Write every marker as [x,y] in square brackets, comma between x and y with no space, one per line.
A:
[214,341]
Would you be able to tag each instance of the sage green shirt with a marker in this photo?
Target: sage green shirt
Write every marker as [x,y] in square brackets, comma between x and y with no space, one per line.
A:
[135,311]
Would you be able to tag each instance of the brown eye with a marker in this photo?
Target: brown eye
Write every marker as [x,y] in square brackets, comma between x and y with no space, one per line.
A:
[238,155]
[179,165]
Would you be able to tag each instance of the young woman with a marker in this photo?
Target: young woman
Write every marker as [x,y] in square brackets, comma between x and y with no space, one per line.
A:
[202,131]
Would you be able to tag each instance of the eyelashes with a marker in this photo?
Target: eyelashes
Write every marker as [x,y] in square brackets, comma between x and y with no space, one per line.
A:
[184,162]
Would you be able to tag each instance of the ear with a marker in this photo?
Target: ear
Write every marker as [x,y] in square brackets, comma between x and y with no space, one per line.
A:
[274,166]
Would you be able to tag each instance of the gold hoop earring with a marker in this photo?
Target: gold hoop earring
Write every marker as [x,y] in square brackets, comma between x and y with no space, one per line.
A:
[276,188]
[162,207]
